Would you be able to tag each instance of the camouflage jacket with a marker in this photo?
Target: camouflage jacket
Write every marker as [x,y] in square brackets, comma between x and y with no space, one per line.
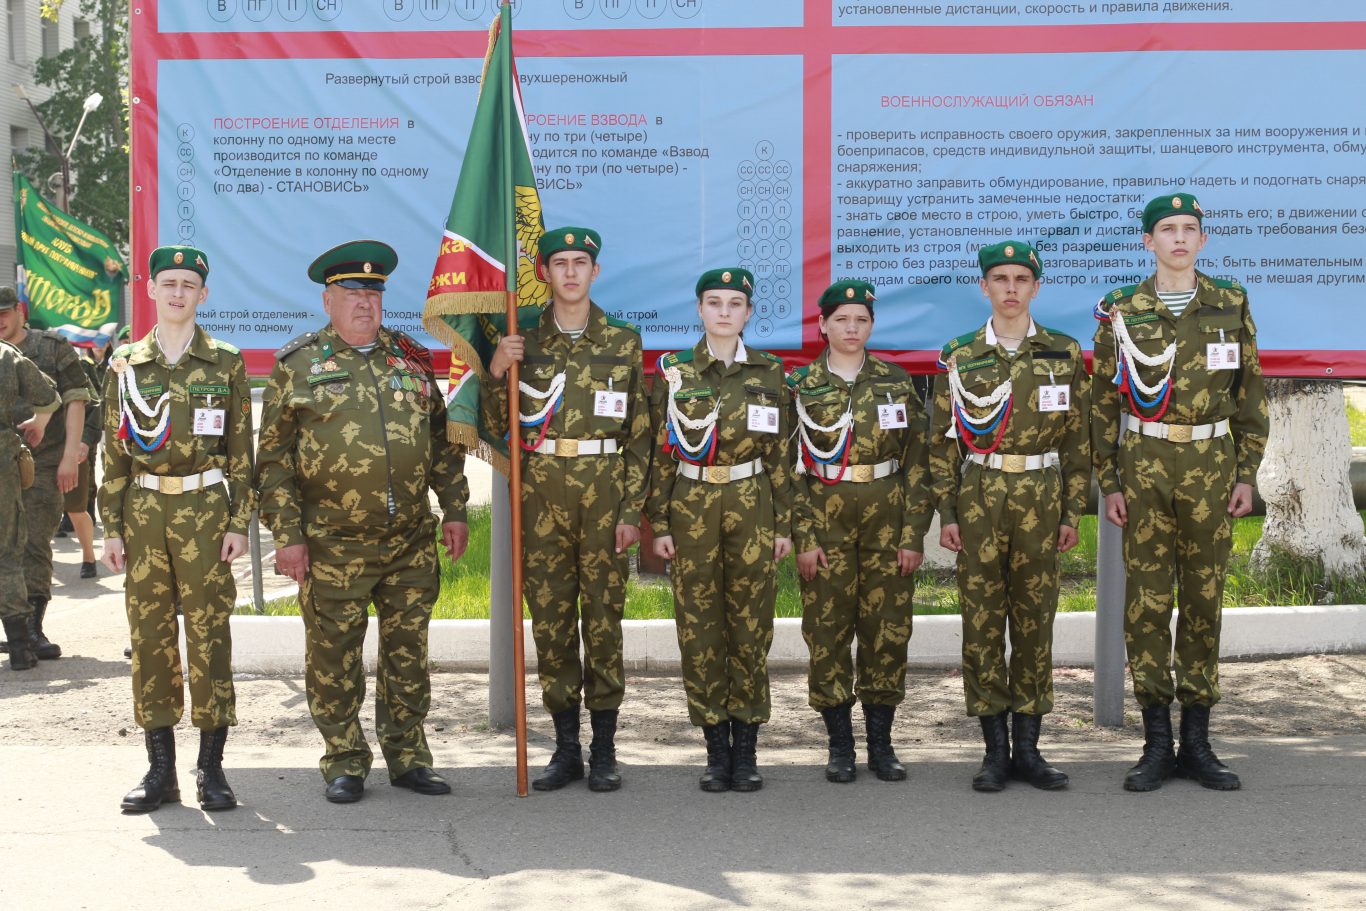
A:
[210,375]
[53,355]
[754,378]
[1046,357]
[825,395]
[21,382]
[351,442]
[1199,395]
[607,356]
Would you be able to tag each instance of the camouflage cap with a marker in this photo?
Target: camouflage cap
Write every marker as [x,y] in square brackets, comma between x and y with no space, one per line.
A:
[561,239]
[176,256]
[355,264]
[732,278]
[848,291]
[9,298]
[1010,253]
[1169,205]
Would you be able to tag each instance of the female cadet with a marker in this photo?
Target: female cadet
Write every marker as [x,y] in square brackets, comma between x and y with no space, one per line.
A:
[861,509]
[720,506]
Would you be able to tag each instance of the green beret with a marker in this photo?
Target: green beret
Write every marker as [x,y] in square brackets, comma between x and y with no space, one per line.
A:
[355,264]
[731,279]
[1167,206]
[848,291]
[585,239]
[9,298]
[176,256]
[124,332]
[1010,253]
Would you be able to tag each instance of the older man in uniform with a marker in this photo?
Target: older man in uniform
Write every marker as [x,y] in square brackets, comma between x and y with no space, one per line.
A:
[20,382]
[177,499]
[56,458]
[585,427]
[1179,428]
[353,435]
[1010,458]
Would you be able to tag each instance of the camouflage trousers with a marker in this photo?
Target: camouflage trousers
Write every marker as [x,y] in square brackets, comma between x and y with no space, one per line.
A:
[1179,534]
[13,536]
[1008,585]
[172,544]
[43,512]
[861,596]
[575,581]
[398,572]
[724,585]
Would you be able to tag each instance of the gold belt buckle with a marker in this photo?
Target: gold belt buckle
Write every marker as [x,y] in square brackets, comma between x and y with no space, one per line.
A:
[566,449]
[168,484]
[861,474]
[1013,463]
[1179,433]
[716,474]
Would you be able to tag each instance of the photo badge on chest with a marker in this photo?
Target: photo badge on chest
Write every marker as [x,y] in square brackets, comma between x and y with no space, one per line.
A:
[210,422]
[609,404]
[763,418]
[1055,397]
[892,416]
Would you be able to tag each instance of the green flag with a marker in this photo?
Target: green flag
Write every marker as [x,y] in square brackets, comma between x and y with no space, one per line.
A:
[70,275]
[466,299]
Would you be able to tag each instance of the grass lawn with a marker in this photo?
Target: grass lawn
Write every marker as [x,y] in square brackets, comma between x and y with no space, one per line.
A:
[465,585]
[1356,425]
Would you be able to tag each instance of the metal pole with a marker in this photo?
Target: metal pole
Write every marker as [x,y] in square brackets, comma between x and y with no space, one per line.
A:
[502,711]
[1110,655]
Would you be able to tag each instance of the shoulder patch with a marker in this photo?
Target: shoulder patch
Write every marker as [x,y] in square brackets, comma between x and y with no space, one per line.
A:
[295,344]
[1121,293]
[677,357]
[955,344]
[622,324]
[226,346]
[1228,284]
[796,376]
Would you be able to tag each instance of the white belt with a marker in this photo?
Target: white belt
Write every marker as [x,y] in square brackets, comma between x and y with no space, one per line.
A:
[720,474]
[1176,433]
[859,474]
[169,484]
[1014,464]
[567,449]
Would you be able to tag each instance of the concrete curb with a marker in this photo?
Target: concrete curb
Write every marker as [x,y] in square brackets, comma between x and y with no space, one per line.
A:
[275,645]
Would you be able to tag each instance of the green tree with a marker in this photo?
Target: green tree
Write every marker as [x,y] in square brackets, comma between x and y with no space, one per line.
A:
[95,63]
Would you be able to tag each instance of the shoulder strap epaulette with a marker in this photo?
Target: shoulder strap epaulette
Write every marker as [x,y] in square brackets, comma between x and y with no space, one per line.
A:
[1102,311]
[295,344]
[1228,284]
[674,358]
[226,346]
[123,350]
[795,378]
[956,343]
[622,324]
[768,355]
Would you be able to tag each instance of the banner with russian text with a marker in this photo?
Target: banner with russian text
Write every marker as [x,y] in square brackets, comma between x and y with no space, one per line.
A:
[70,276]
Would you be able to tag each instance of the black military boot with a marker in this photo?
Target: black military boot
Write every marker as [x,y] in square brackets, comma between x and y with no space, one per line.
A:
[1159,755]
[210,783]
[716,777]
[603,774]
[21,656]
[877,720]
[1025,762]
[996,763]
[744,765]
[159,785]
[566,764]
[839,724]
[1196,759]
[44,649]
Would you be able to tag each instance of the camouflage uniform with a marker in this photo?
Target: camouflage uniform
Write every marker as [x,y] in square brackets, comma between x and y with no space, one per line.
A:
[1008,519]
[860,526]
[723,573]
[43,508]
[80,497]
[572,506]
[173,541]
[20,382]
[1177,493]
[350,444]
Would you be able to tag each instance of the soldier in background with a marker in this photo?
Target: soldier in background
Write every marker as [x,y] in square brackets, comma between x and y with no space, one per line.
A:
[353,435]
[20,382]
[56,459]
[177,500]
[1011,466]
[862,507]
[720,506]
[79,501]
[1179,428]
[586,432]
